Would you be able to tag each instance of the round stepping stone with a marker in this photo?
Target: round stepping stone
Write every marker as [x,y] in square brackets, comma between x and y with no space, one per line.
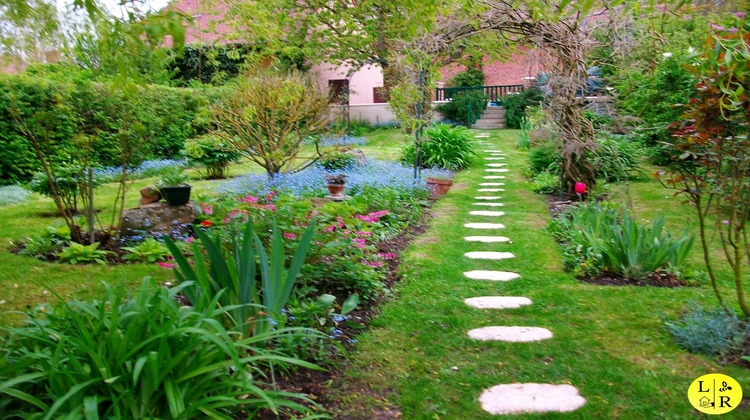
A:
[494,158]
[485,225]
[511,334]
[496,165]
[492,184]
[530,398]
[489,204]
[487,239]
[489,255]
[492,151]
[490,190]
[482,135]
[496,170]
[497,302]
[491,275]
[499,154]
[494,177]
[487,213]
[487,198]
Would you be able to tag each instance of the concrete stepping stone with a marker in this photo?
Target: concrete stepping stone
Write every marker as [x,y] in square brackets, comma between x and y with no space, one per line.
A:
[492,151]
[494,158]
[482,135]
[487,239]
[499,154]
[487,198]
[489,255]
[487,213]
[511,334]
[530,398]
[497,302]
[492,184]
[496,165]
[494,177]
[491,275]
[491,190]
[486,225]
[496,170]
[489,204]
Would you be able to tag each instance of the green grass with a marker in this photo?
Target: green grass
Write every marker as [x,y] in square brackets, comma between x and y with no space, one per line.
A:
[608,341]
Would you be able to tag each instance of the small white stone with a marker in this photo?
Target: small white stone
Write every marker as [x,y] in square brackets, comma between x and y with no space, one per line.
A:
[485,225]
[530,398]
[497,302]
[511,334]
[487,239]
[454,367]
[487,213]
[496,170]
[489,255]
[490,190]
[494,177]
[489,204]
[482,197]
[492,184]
[491,275]
[496,165]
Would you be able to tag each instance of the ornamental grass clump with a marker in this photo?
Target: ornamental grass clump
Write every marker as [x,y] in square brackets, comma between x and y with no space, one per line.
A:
[446,147]
[137,355]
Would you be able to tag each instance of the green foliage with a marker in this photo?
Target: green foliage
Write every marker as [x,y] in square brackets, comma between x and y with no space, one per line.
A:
[149,250]
[337,161]
[269,114]
[231,278]
[617,157]
[448,147]
[545,157]
[139,356]
[709,331]
[522,139]
[597,238]
[465,107]
[46,245]
[468,78]
[70,182]
[209,64]
[172,177]
[358,128]
[515,105]
[13,194]
[546,183]
[212,152]
[76,253]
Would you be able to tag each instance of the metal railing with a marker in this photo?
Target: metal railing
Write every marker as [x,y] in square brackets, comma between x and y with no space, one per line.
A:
[493,93]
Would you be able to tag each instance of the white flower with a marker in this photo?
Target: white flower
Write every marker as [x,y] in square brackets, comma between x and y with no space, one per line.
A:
[691,50]
[667,54]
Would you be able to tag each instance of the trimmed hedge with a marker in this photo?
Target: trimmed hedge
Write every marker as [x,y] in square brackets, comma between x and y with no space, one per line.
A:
[157,118]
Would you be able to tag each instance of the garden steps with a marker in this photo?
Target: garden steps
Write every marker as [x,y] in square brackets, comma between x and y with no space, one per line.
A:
[492,117]
[514,398]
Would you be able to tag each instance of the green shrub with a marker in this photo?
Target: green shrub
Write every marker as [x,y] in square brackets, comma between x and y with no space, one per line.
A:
[136,355]
[617,158]
[465,107]
[709,331]
[213,153]
[46,245]
[447,147]
[523,140]
[149,250]
[515,105]
[70,182]
[468,78]
[336,161]
[76,253]
[13,194]
[595,238]
[544,157]
[546,183]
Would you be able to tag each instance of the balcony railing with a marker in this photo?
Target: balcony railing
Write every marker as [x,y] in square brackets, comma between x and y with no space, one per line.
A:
[494,93]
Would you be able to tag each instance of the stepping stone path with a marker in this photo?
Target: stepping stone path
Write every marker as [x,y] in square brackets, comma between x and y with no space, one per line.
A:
[514,398]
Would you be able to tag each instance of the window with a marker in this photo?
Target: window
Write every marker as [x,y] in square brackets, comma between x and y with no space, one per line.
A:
[379,95]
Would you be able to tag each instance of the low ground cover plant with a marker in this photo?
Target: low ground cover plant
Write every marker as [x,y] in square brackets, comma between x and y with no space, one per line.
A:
[595,238]
[445,147]
[13,194]
[710,331]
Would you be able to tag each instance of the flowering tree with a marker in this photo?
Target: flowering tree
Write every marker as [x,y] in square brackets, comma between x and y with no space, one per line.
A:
[712,162]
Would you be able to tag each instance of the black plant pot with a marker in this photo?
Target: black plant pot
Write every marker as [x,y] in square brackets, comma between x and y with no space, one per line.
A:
[176,195]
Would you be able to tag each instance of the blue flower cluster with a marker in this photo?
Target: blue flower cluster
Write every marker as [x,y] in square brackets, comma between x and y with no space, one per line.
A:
[311,181]
[144,170]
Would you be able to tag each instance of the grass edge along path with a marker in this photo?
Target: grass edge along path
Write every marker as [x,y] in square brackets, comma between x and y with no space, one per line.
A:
[418,361]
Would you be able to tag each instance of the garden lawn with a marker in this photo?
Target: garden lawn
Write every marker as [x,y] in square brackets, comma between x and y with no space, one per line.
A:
[608,341]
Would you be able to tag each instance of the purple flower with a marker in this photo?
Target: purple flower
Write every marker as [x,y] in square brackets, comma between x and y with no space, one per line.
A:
[740,14]
[726,222]
[718,27]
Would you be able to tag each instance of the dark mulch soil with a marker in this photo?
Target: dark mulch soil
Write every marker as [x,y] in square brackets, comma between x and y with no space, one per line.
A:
[321,386]
[653,280]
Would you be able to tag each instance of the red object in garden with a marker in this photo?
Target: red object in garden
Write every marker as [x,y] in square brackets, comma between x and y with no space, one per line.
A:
[580,188]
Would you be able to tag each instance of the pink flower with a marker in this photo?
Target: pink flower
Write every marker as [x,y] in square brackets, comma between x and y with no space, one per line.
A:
[249,199]
[226,220]
[726,222]
[363,233]
[740,14]
[373,263]
[359,240]
[208,210]
[360,246]
[387,255]
[167,265]
[290,235]
[189,239]
[329,229]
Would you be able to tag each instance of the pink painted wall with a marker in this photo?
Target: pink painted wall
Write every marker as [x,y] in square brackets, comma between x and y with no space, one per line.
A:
[361,82]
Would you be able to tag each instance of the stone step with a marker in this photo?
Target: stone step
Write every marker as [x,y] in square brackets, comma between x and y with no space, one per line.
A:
[488,126]
[530,398]
[487,239]
[513,334]
[484,225]
[493,110]
[491,275]
[487,213]
[497,302]
[490,120]
[489,255]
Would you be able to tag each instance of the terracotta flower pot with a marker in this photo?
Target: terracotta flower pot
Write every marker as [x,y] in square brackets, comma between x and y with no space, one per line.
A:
[438,187]
[336,190]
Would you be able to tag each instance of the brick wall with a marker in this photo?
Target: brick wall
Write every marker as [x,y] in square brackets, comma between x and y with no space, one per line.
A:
[522,64]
